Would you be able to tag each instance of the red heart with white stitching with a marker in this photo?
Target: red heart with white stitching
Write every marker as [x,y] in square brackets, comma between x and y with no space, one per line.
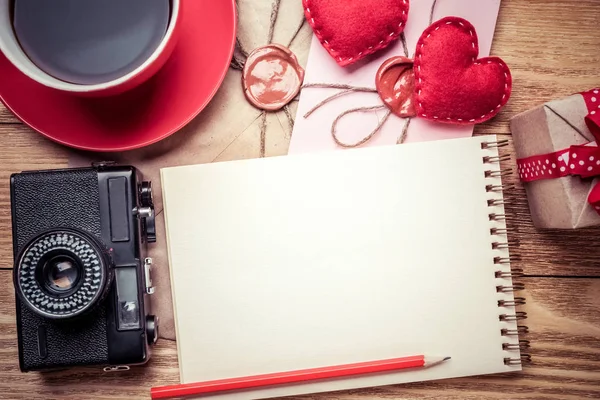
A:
[351,30]
[451,84]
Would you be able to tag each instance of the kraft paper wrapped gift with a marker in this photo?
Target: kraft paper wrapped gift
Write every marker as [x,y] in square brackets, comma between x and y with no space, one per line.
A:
[559,161]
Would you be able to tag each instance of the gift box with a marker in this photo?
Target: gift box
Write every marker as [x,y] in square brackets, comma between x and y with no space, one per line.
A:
[559,160]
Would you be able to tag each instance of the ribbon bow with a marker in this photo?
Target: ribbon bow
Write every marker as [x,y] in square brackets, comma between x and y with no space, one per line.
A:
[577,160]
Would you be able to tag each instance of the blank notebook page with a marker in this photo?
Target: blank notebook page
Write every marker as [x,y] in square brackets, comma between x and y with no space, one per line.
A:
[314,260]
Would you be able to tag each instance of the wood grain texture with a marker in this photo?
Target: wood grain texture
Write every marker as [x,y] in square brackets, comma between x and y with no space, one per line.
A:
[564,332]
[6,116]
[553,49]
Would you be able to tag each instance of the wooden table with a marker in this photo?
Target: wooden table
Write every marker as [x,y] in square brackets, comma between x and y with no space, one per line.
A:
[553,48]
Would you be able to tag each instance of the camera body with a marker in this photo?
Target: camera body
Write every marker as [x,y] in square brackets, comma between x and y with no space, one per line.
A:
[81,274]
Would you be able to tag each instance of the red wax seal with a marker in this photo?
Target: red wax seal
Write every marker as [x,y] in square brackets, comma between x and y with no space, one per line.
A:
[395,84]
[272,77]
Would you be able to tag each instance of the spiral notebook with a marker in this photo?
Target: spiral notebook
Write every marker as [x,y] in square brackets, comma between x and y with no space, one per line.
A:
[313,260]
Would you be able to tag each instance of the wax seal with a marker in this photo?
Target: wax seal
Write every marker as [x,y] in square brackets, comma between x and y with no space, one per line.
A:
[272,77]
[395,83]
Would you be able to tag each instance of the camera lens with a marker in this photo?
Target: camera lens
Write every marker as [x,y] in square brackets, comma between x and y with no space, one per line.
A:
[63,274]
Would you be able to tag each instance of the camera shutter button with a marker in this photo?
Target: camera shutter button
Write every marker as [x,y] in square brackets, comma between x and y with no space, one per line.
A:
[100,165]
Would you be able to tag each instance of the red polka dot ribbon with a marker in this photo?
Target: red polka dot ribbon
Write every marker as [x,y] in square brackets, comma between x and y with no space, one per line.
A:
[592,120]
[578,160]
[582,161]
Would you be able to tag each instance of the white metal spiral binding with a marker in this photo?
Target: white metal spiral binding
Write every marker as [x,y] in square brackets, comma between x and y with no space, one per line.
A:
[517,301]
[521,330]
[504,275]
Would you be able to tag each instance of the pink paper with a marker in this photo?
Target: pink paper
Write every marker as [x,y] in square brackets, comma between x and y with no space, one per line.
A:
[314,133]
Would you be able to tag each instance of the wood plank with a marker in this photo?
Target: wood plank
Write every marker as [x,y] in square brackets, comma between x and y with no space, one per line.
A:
[6,117]
[552,49]
[564,322]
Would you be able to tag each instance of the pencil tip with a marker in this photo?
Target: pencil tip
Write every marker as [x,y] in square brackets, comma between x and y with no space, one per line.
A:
[446,358]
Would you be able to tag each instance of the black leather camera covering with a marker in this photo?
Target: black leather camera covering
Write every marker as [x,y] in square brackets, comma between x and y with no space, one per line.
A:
[41,202]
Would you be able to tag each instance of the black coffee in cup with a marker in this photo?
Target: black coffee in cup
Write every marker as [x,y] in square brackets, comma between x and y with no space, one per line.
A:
[90,41]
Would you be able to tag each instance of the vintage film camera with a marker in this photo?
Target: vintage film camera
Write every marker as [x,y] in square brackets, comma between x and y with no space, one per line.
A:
[81,274]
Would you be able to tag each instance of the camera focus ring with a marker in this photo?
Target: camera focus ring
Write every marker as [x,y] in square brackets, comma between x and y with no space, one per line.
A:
[62,274]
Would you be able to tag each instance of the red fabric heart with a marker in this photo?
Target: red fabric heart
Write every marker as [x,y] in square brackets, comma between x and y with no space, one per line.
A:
[452,85]
[352,29]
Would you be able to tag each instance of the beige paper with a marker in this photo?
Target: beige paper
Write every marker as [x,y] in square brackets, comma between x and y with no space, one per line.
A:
[314,260]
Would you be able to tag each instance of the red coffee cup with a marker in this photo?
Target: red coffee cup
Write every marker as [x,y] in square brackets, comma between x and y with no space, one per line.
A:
[11,48]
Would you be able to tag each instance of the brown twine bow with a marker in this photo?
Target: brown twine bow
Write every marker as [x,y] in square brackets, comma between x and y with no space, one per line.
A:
[346,89]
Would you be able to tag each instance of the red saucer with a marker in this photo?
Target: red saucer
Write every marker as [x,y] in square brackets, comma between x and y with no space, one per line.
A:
[147,114]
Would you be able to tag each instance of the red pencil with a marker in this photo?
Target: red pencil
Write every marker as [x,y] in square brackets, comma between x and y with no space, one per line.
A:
[304,375]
